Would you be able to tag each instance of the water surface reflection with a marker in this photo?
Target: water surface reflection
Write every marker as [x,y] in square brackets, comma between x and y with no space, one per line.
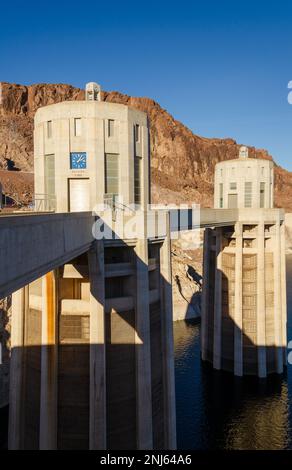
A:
[218,411]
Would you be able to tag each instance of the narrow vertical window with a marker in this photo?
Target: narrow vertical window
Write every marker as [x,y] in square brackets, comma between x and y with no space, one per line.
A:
[247,194]
[137,179]
[111,174]
[137,132]
[111,128]
[221,195]
[49,129]
[50,174]
[49,200]
[262,195]
[77,127]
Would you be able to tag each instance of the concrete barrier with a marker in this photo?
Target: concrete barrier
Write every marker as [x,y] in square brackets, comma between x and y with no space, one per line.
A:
[32,245]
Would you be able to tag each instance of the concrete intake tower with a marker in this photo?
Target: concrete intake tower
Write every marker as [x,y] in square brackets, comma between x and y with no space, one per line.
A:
[244,291]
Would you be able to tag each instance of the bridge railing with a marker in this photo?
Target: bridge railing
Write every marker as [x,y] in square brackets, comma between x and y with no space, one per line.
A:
[10,201]
[43,203]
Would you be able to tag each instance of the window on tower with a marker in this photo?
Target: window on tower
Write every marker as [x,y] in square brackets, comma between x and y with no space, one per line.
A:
[112,174]
[247,194]
[221,195]
[49,129]
[137,132]
[111,128]
[262,195]
[77,127]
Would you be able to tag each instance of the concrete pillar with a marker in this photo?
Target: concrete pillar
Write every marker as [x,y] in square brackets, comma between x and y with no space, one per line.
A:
[261,302]
[49,363]
[143,353]
[284,294]
[168,342]
[19,309]
[238,346]
[218,302]
[97,399]
[278,300]
[205,295]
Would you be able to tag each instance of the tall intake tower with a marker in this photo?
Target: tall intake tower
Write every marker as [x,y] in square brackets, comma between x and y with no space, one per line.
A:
[244,292]
[92,338]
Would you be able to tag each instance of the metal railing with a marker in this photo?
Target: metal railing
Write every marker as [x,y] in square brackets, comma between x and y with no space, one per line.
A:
[112,201]
[12,202]
[43,203]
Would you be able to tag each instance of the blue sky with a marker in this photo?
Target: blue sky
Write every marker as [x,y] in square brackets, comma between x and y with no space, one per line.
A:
[220,67]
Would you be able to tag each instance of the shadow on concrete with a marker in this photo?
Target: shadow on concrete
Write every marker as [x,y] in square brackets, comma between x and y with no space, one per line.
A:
[271,353]
[73,376]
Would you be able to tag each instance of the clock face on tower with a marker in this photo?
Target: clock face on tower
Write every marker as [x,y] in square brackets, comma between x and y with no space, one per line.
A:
[78,160]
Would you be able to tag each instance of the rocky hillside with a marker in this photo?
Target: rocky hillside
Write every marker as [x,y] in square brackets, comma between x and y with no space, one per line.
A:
[182,163]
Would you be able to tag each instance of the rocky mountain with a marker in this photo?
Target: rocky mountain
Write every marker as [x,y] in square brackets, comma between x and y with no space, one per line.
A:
[182,163]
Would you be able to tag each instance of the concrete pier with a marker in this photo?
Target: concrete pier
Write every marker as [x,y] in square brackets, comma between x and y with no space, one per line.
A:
[93,339]
[244,320]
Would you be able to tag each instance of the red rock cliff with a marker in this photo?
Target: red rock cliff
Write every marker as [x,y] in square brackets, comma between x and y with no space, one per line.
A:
[182,163]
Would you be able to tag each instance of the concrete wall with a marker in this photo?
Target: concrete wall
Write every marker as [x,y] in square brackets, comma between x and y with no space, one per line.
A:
[5,327]
[288,232]
[244,318]
[243,170]
[94,340]
[31,245]
[95,141]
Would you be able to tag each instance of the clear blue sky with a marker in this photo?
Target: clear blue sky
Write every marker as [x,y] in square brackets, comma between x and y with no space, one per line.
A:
[220,67]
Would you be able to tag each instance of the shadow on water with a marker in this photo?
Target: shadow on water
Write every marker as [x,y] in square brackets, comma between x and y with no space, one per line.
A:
[216,410]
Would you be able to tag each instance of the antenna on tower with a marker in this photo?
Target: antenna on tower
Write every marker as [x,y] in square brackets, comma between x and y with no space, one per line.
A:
[243,152]
[92,92]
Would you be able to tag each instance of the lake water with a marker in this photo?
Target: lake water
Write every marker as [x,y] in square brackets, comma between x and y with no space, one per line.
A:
[216,410]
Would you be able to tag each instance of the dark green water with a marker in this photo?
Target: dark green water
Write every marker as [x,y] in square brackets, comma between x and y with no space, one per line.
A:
[217,411]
